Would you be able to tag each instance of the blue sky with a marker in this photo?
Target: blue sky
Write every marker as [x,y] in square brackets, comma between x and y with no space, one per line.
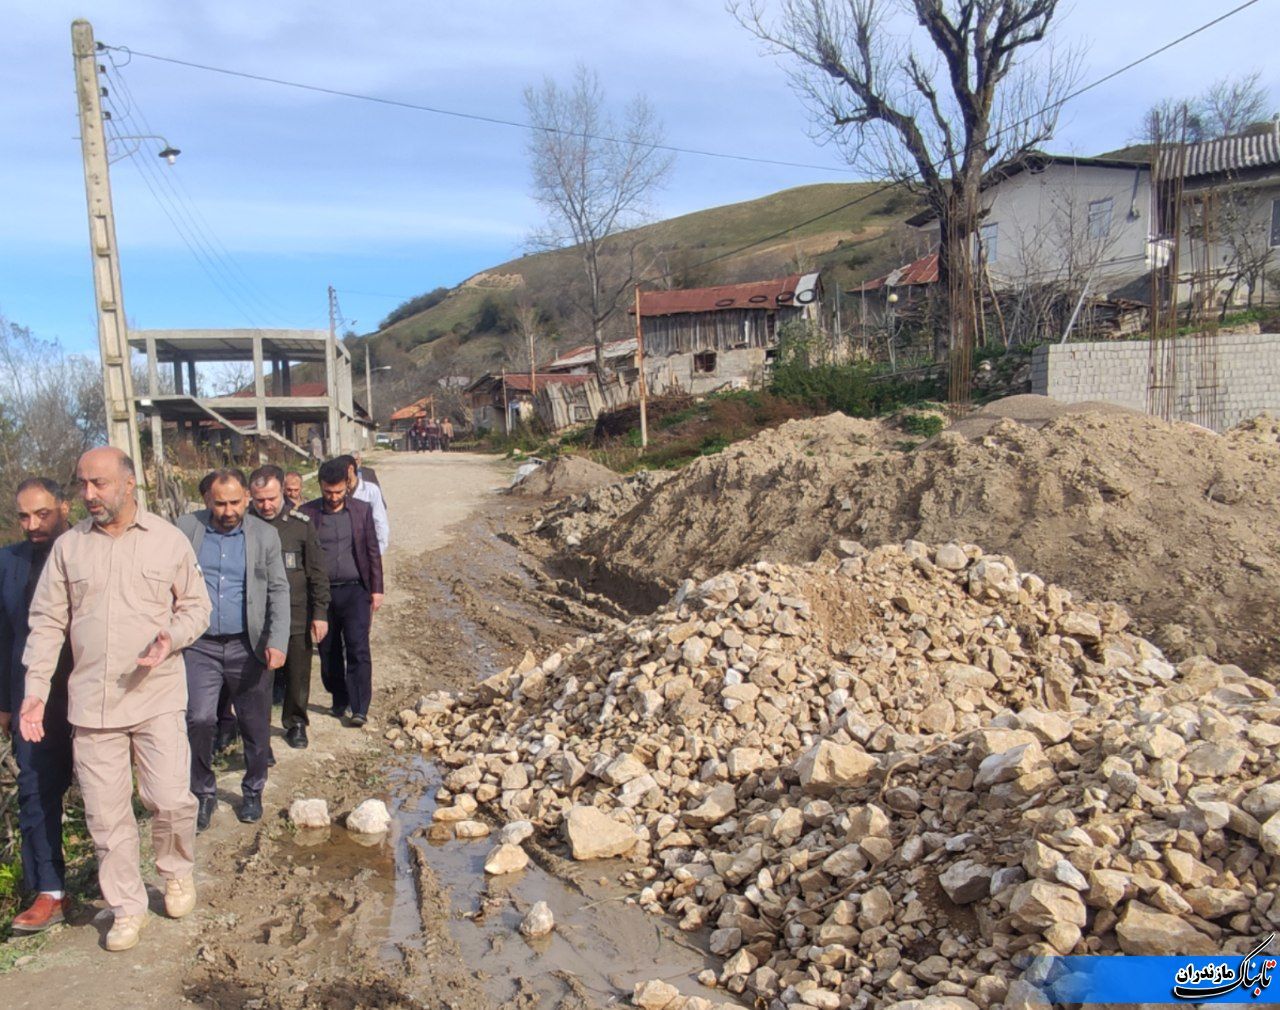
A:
[288,192]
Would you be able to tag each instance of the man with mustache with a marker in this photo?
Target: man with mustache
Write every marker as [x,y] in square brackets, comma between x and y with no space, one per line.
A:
[304,567]
[44,767]
[124,586]
[248,633]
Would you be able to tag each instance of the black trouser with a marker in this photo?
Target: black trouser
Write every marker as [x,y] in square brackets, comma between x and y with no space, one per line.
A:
[297,681]
[346,667]
[212,661]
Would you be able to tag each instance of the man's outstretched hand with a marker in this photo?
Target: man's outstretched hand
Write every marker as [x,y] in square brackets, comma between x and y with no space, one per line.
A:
[31,720]
[157,652]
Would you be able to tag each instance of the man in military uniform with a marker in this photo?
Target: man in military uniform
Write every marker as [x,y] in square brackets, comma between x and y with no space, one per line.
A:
[304,567]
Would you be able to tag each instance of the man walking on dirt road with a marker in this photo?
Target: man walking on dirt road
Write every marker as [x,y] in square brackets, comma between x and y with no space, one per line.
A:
[123,585]
[347,535]
[365,491]
[248,633]
[44,767]
[304,567]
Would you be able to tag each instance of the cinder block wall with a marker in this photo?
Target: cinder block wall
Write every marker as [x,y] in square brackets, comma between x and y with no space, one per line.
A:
[1247,375]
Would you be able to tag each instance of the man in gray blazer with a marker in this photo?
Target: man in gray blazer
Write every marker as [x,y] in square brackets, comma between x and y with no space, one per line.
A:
[248,634]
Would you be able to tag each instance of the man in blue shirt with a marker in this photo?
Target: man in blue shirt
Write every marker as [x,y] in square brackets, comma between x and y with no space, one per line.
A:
[248,634]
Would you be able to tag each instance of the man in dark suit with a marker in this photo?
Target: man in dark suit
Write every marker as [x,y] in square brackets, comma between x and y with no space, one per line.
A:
[44,767]
[248,634]
[350,542]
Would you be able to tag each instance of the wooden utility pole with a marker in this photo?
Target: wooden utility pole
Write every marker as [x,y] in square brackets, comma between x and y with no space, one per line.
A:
[506,409]
[644,390]
[113,336]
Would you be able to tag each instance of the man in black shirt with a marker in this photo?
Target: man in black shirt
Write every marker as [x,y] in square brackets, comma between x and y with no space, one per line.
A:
[304,567]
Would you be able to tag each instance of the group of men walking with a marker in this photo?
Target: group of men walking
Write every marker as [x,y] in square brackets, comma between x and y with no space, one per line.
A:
[430,435]
[124,639]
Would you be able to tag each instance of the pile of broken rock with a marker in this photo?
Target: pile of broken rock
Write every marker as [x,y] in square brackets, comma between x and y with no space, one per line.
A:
[888,775]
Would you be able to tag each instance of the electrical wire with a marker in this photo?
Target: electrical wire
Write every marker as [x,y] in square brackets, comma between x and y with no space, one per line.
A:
[201,230]
[887,187]
[181,227]
[474,117]
[863,198]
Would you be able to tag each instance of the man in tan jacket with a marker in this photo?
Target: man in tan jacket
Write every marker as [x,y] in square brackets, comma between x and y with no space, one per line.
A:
[124,586]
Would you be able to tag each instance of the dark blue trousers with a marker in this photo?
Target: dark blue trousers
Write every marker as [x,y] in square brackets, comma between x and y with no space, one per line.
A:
[213,662]
[346,666]
[44,774]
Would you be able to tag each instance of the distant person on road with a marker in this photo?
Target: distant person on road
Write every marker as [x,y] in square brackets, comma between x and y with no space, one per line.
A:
[293,488]
[418,434]
[304,567]
[350,542]
[247,637]
[362,490]
[44,767]
[124,585]
[433,435]
[446,434]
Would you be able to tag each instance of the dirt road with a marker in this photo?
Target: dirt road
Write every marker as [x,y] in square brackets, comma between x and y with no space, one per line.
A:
[287,921]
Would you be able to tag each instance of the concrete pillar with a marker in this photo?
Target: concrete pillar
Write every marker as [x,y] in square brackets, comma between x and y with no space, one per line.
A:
[259,394]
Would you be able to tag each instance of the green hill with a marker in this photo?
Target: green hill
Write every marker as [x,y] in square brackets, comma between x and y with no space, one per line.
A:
[471,328]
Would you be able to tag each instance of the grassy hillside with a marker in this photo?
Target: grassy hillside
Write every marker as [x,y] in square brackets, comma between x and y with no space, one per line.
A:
[471,329]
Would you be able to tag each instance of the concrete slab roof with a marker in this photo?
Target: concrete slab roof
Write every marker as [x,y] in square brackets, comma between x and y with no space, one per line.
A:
[233,345]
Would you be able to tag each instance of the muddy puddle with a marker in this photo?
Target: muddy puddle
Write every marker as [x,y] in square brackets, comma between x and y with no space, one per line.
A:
[600,948]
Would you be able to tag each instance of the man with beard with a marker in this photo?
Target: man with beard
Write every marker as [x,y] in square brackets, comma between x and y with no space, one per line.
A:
[293,489]
[347,535]
[44,767]
[125,586]
[365,491]
[248,632]
[304,567]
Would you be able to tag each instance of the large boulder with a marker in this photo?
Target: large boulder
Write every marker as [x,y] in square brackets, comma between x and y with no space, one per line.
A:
[1144,930]
[594,835]
[829,766]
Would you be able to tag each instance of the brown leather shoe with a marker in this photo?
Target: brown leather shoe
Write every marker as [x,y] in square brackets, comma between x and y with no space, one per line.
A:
[43,913]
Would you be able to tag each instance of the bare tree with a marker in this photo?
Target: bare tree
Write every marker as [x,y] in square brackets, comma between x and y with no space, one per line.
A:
[594,178]
[1227,107]
[529,323]
[51,410]
[229,377]
[926,93]
[1232,106]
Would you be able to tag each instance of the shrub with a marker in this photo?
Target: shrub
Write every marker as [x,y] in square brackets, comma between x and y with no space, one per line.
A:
[924,425]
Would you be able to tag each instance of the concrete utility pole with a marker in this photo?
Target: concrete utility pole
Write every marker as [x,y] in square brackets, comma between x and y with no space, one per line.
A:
[331,377]
[113,337]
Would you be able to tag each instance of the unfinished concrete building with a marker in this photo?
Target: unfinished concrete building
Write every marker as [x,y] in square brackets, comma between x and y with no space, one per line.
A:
[275,407]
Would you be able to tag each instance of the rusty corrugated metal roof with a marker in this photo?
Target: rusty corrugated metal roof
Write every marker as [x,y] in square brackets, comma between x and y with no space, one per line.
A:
[768,294]
[918,272]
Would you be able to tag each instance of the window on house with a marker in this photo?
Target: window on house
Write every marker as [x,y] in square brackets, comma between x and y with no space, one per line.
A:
[1100,218]
[704,361]
[1275,222]
[989,239]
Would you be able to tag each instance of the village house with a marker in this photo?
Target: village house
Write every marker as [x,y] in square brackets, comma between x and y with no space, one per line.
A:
[503,401]
[696,340]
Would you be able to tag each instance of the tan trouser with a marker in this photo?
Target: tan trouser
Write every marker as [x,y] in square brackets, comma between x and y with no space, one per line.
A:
[160,751]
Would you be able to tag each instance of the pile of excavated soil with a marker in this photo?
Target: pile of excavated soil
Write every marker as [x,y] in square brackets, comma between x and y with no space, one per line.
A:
[1175,522]
[565,476]
[896,776]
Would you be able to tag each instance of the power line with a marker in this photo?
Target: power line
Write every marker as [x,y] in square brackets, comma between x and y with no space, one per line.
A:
[154,182]
[474,117]
[942,162]
[199,224]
